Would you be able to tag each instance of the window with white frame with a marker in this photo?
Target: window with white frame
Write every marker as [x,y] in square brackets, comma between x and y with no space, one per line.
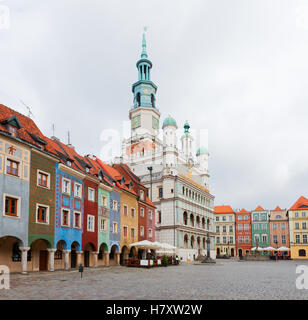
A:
[304,238]
[141,212]
[133,212]
[217,228]
[42,213]
[115,227]
[13,167]
[141,231]
[296,225]
[11,205]
[132,233]
[125,210]
[297,238]
[91,194]
[77,220]
[65,218]
[125,231]
[283,226]
[217,240]
[304,226]
[91,223]
[150,233]
[283,238]
[240,239]
[103,224]
[43,179]
[104,201]
[77,190]
[224,229]
[240,227]
[66,186]
[141,195]
[150,215]
[246,226]
[246,239]
[115,205]
[264,238]
[224,239]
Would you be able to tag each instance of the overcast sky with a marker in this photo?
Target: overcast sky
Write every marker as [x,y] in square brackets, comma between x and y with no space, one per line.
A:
[236,68]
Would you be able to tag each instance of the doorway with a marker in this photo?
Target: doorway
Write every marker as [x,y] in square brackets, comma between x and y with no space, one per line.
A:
[43,260]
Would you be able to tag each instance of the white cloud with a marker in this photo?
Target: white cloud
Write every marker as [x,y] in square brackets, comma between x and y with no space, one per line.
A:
[236,68]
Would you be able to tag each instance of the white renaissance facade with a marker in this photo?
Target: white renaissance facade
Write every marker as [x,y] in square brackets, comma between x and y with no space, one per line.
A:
[177,179]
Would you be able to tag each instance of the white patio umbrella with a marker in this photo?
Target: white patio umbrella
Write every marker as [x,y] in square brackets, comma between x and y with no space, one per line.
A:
[283,249]
[145,244]
[269,249]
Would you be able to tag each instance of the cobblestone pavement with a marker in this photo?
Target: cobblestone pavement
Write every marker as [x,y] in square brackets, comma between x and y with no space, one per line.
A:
[225,280]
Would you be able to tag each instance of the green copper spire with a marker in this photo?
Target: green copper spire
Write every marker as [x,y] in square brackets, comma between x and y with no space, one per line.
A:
[186,128]
[144,47]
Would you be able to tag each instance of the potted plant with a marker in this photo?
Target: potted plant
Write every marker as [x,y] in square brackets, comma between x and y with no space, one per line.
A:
[165,261]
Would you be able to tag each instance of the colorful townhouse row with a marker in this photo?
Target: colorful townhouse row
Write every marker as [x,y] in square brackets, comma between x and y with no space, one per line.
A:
[60,209]
[238,232]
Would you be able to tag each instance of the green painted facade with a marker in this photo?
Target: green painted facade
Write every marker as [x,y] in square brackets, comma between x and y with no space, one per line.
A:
[42,196]
[103,213]
[260,228]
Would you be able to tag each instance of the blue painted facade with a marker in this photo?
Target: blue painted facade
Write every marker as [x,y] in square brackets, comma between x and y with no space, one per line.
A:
[71,203]
[115,216]
[17,187]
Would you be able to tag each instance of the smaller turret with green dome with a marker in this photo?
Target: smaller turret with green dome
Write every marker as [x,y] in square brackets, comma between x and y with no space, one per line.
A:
[169,121]
[202,150]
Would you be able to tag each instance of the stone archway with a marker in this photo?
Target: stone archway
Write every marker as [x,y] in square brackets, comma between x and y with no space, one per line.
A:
[114,256]
[192,242]
[39,255]
[240,253]
[88,251]
[185,218]
[75,247]
[133,252]
[10,253]
[59,254]
[192,220]
[124,255]
[186,241]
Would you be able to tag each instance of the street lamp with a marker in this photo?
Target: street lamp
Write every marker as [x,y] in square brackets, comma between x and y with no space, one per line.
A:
[150,169]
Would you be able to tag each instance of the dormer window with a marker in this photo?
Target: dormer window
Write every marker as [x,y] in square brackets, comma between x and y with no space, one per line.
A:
[69,163]
[40,146]
[87,169]
[12,131]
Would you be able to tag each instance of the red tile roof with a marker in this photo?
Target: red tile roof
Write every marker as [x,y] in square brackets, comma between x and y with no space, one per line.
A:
[259,208]
[28,126]
[277,209]
[243,211]
[223,209]
[301,203]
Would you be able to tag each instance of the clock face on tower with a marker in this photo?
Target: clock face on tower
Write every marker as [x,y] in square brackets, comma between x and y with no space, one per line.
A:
[155,123]
[136,122]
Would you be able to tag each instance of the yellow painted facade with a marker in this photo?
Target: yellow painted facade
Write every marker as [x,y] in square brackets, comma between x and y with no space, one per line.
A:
[298,227]
[129,220]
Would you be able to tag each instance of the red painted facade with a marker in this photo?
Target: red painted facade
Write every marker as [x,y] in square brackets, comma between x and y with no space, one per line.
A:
[90,208]
[243,232]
